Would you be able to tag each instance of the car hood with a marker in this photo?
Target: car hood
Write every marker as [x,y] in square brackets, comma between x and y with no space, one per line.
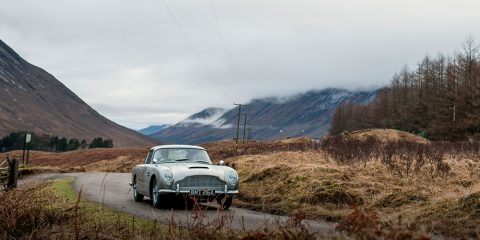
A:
[182,170]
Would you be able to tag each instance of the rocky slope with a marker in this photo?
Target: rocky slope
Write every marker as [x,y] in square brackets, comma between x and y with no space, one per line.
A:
[33,100]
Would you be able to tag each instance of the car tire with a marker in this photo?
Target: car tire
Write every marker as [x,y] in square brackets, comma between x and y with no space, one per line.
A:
[225,202]
[136,196]
[155,196]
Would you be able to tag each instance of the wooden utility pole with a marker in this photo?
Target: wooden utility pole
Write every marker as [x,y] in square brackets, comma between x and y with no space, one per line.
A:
[238,122]
[244,127]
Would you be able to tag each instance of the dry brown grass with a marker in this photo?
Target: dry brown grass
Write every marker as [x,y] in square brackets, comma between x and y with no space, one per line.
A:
[53,211]
[296,176]
[123,159]
[364,223]
[387,135]
[309,182]
[220,150]
[120,159]
[26,214]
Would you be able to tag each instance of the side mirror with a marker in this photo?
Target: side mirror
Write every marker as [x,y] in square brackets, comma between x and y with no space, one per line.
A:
[155,161]
[221,163]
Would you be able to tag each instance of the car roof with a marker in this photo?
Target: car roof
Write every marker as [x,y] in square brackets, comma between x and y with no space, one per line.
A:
[177,146]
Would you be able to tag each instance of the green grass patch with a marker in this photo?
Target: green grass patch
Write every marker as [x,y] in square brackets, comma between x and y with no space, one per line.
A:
[63,190]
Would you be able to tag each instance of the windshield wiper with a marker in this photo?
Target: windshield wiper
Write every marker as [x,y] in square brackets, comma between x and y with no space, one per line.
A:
[181,159]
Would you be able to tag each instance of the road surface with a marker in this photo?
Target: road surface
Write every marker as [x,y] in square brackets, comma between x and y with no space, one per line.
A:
[112,190]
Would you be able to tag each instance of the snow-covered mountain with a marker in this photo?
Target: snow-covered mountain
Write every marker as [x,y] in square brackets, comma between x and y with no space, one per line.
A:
[207,117]
[153,129]
[306,114]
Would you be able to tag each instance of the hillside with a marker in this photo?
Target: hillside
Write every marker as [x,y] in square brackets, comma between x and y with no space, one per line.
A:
[33,100]
[307,114]
[152,129]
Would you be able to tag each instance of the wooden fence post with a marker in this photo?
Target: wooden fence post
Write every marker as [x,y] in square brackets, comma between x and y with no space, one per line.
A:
[12,173]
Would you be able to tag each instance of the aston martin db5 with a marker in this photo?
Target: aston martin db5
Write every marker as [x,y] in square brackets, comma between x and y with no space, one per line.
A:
[183,171]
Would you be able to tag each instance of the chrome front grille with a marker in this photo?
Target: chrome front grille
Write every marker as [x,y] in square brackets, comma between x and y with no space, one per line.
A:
[201,182]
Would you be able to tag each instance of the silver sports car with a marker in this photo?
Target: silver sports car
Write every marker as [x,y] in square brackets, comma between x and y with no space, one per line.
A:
[183,170]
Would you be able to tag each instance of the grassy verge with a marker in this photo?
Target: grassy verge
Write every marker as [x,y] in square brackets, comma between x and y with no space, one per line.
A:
[92,220]
[62,189]
[53,210]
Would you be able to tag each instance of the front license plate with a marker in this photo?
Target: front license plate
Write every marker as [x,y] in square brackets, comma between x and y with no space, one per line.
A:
[202,192]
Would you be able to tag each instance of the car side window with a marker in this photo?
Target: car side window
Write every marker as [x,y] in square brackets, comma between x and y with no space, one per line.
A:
[148,159]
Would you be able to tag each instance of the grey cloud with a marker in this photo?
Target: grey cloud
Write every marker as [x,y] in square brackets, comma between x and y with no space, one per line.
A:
[130,62]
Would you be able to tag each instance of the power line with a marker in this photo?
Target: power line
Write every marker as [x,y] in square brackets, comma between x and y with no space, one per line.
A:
[224,44]
[230,65]
[187,39]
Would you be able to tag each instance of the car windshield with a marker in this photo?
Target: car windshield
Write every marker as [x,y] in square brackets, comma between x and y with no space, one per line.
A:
[166,155]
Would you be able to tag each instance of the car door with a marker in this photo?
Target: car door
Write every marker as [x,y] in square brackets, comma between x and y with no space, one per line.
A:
[141,178]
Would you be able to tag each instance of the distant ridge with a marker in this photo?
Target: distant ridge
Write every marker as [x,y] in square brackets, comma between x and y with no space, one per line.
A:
[307,114]
[153,129]
[31,99]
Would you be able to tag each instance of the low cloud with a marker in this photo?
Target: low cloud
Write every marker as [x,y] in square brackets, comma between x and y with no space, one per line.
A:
[130,61]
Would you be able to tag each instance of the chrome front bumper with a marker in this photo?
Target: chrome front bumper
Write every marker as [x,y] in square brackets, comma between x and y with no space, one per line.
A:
[178,191]
[182,191]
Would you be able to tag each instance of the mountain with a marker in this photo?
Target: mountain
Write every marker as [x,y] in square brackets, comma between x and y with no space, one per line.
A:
[31,99]
[207,117]
[153,129]
[200,127]
[307,114]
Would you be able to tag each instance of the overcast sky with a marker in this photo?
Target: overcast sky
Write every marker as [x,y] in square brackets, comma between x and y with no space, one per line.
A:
[138,66]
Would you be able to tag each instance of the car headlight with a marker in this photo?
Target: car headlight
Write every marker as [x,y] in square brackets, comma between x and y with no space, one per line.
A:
[232,176]
[167,175]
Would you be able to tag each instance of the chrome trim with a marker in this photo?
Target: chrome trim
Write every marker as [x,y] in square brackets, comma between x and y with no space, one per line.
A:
[166,191]
[201,182]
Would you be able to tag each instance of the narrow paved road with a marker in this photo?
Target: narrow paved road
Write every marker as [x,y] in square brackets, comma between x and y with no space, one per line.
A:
[112,189]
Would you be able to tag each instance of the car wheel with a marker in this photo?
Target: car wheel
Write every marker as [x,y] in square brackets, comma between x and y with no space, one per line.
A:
[137,196]
[225,202]
[154,195]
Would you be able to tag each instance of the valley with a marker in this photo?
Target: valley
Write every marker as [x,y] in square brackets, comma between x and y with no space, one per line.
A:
[298,176]
[239,120]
